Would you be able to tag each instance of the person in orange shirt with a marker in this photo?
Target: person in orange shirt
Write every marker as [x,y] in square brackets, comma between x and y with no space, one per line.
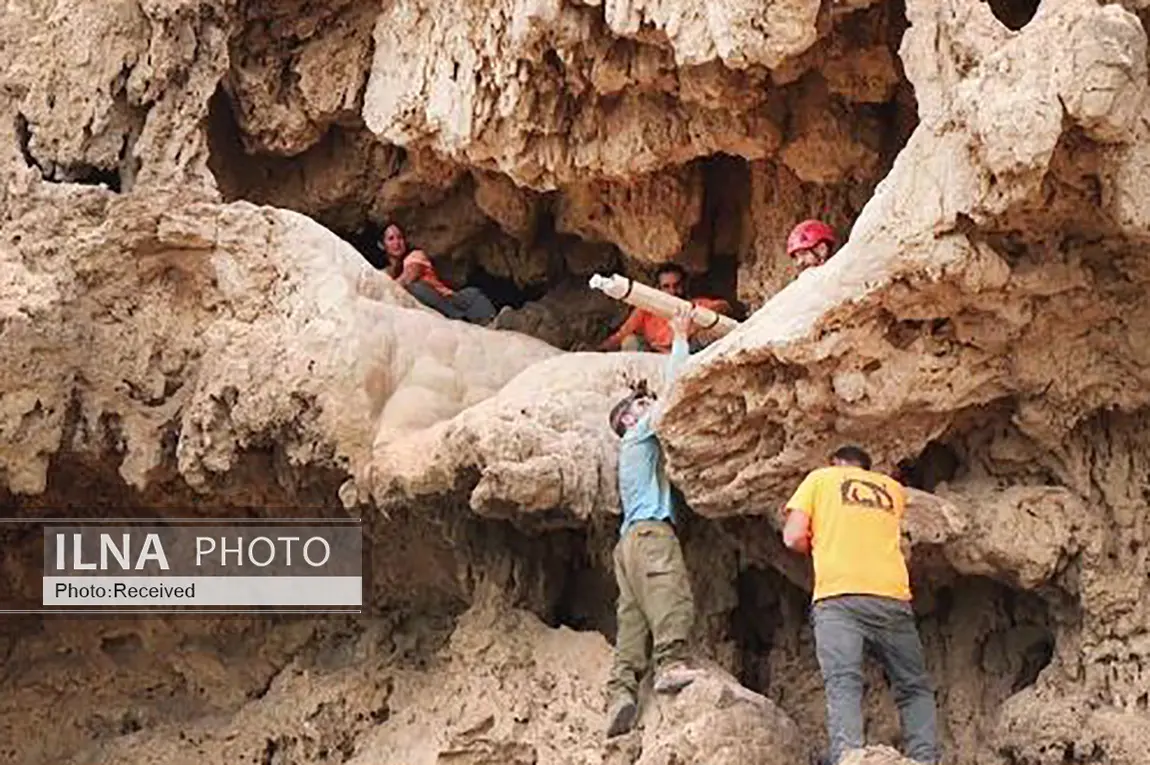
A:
[849,519]
[416,273]
[646,331]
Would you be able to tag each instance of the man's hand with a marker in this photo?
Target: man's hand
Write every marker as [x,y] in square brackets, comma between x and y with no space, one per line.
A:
[797,532]
[681,321]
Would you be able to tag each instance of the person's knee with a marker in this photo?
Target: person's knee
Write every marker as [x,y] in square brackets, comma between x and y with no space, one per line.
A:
[632,343]
[422,292]
[915,685]
[477,306]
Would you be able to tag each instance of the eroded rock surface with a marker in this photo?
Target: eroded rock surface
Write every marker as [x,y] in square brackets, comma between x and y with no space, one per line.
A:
[496,686]
[152,319]
[169,344]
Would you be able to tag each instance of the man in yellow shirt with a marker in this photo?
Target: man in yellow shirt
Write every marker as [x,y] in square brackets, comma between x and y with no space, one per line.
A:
[848,517]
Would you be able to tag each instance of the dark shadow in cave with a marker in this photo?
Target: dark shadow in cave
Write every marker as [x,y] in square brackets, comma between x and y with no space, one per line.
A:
[588,593]
[982,640]
[89,175]
[756,622]
[1014,14]
[726,196]
[366,241]
[503,291]
[227,159]
[938,463]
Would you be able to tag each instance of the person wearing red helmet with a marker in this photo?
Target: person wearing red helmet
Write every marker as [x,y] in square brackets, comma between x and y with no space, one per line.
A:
[810,244]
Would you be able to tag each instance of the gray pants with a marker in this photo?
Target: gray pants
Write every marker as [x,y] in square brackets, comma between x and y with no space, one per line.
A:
[468,303]
[843,627]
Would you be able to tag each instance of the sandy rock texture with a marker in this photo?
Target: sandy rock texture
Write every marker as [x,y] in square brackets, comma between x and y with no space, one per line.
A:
[493,686]
[185,322]
[989,300]
[217,323]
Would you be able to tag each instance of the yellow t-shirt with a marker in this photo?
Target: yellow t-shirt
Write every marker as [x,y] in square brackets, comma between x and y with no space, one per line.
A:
[855,530]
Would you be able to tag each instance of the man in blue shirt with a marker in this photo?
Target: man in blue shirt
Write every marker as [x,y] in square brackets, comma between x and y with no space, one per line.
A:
[655,599]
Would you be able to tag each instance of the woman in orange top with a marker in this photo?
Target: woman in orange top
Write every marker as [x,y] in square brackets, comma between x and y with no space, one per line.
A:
[416,273]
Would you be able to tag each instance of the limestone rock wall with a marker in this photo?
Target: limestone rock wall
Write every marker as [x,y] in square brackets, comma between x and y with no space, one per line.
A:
[180,326]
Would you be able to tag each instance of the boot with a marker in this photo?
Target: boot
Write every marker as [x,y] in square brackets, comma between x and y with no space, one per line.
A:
[621,716]
[674,677]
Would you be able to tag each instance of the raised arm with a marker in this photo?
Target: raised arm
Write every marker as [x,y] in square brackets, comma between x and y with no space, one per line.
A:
[680,352]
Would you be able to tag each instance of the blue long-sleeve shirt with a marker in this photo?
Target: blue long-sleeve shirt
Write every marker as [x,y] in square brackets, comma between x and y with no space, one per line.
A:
[644,491]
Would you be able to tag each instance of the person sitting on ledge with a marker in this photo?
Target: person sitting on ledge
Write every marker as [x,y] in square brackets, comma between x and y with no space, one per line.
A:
[646,331]
[416,273]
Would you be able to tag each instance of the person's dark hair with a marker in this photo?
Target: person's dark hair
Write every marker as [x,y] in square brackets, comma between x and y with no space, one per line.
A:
[393,269]
[671,268]
[853,455]
[638,390]
[616,418]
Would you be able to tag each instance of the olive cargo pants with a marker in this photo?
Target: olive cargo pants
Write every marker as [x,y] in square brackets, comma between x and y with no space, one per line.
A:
[655,603]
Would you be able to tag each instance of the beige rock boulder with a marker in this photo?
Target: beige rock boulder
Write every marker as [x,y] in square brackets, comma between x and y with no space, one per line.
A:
[716,720]
[528,105]
[649,219]
[126,105]
[175,298]
[875,755]
[501,687]
[537,452]
[295,71]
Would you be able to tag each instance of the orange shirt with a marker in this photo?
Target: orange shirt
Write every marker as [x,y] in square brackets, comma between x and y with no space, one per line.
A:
[421,265]
[656,330]
[855,532]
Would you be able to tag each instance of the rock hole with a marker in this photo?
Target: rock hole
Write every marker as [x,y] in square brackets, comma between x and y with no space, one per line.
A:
[226,156]
[121,647]
[551,59]
[902,334]
[129,724]
[24,134]
[720,230]
[82,173]
[1034,657]
[755,622]
[587,594]
[938,463]
[1014,14]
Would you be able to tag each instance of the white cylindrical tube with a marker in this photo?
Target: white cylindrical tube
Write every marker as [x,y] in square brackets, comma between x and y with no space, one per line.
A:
[658,302]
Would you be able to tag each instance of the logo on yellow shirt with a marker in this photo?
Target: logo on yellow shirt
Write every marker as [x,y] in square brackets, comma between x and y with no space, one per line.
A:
[860,493]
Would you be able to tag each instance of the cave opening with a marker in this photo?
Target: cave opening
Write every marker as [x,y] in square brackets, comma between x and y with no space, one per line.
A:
[88,175]
[351,182]
[587,593]
[757,621]
[1014,14]
[719,234]
[937,463]
[227,159]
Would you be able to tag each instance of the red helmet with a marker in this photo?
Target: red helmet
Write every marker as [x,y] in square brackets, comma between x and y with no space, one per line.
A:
[808,234]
